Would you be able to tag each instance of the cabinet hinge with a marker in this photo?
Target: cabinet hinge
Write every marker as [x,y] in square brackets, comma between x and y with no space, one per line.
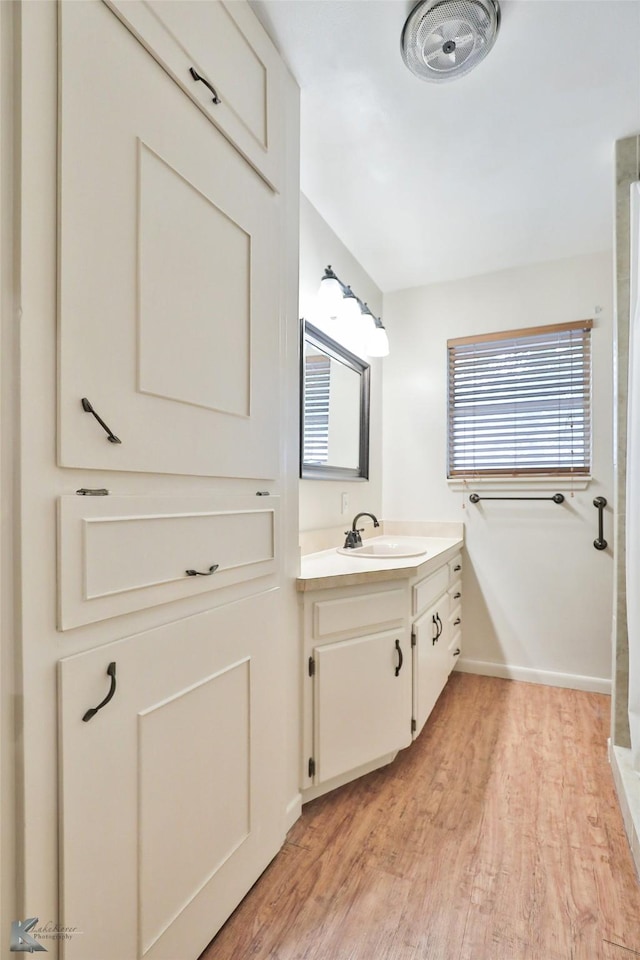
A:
[413,638]
[414,725]
[312,667]
[312,767]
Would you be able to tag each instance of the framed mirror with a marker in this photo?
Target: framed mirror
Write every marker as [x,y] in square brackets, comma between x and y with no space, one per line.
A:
[334,414]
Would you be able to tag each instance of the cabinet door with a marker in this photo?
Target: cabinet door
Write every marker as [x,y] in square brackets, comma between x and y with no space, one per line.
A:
[227,45]
[169,302]
[430,659]
[170,799]
[362,701]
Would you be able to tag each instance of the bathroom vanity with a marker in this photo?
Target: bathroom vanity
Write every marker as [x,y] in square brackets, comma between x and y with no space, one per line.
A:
[380,638]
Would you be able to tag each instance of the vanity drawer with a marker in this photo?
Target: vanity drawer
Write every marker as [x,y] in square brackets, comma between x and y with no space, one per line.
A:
[455,569]
[122,554]
[429,589]
[367,612]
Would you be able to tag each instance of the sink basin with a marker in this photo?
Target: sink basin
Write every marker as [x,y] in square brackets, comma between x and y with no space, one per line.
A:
[386,547]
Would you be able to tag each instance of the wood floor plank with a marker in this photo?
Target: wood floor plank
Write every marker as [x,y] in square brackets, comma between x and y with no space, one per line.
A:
[495,836]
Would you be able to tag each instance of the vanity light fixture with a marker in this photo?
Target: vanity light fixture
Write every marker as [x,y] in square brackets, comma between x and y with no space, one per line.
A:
[339,300]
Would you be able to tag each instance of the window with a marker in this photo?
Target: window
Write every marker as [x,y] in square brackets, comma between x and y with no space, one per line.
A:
[520,402]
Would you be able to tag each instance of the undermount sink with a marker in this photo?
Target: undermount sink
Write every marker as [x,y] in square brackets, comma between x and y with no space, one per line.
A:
[386,547]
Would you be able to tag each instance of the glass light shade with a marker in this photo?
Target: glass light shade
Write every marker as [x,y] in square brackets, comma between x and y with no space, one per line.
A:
[350,309]
[330,296]
[378,345]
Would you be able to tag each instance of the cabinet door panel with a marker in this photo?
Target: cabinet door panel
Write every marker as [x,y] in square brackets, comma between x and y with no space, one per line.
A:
[227,45]
[363,709]
[168,271]
[430,660]
[169,793]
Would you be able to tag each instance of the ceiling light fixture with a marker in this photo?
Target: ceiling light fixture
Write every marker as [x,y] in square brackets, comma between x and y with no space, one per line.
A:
[445,39]
[338,299]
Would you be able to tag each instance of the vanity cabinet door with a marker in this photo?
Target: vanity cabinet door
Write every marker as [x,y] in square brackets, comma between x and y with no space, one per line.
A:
[169,271]
[169,793]
[362,701]
[431,659]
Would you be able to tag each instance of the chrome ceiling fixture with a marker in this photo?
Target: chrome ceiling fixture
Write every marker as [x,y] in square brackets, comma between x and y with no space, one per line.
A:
[444,39]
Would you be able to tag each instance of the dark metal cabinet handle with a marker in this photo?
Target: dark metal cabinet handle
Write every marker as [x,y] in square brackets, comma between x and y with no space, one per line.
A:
[440,627]
[457,621]
[111,437]
[434,640]
[201,573]
[457,596]
[111,672]
[400,658]
[457,652]
[196,76]
[600,543]
[457,567]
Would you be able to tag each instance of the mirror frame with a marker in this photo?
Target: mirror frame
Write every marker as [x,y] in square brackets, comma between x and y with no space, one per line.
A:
[335,350]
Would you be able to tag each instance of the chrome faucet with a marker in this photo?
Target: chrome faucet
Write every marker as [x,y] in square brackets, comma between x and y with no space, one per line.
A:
[353,536]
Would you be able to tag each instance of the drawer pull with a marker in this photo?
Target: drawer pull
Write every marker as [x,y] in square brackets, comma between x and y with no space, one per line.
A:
[400,658]
[196,76]
[456,621]
[457,596]
[457,567]
[456,652]
[200,573]
[111,672]
[111,437]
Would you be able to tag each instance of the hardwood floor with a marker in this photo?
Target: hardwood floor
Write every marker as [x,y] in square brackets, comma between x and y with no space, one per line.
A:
[496,836]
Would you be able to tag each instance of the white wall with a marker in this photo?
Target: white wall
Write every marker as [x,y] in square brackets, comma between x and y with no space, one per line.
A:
[320,500]
[537,595]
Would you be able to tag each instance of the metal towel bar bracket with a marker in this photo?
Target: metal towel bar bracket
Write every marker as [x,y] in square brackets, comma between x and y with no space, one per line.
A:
[557,498]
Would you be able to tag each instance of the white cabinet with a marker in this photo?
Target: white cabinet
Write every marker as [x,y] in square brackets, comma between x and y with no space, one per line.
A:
[362,701]
[169,289]
[436,636]
[376,657]
[225,45]
[357,694]
[168,812]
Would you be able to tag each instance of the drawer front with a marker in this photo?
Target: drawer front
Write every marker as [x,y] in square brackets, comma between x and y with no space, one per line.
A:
[367,612]
[121,554]
[224,43]
[455,569]
[428,590]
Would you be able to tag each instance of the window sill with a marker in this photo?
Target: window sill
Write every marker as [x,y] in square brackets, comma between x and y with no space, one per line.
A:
[556,482]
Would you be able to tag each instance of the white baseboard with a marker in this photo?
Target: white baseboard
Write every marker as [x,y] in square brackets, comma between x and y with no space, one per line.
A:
[293,811]
[627,783]
[573,681]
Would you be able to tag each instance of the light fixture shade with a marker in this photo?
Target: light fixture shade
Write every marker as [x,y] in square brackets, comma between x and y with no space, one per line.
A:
[330,296]
[350,309]
[378,344]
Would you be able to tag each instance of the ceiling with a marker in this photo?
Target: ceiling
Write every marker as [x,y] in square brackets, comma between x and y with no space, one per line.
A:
[511,164]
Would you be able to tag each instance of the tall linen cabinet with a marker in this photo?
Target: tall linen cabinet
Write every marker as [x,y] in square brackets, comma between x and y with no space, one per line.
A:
[153,339]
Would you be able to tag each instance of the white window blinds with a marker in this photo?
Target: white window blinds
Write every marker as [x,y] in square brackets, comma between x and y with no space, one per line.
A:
[317,374]
[520,402]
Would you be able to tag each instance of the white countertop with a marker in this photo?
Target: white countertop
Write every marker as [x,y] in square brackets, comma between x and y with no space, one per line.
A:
[328,568]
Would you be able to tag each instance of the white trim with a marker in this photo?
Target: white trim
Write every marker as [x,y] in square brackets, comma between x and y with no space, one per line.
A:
[520,483]
[573,681]
[292,811]
[627,784]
